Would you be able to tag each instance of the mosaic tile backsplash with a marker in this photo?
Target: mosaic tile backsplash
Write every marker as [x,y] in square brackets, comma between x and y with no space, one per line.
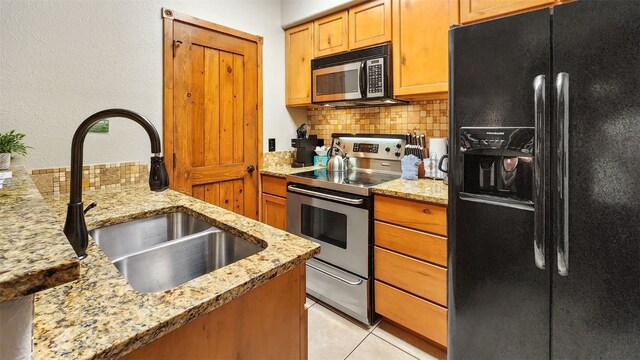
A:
[430,117]
[56,181]
[278,158]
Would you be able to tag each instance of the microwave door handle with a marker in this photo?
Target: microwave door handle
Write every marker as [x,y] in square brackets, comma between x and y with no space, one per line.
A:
[363,80]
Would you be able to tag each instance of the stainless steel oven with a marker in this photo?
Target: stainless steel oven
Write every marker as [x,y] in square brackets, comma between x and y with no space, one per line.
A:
[356,78]
[340,223]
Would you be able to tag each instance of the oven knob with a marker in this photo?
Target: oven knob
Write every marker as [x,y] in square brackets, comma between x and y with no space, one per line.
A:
[398,146]
[387,149]
[338,142]
[398,153]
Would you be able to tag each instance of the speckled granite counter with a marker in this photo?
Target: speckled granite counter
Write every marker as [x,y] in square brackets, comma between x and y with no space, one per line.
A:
[102,316]
[433,191]
[34,252]
[284,170]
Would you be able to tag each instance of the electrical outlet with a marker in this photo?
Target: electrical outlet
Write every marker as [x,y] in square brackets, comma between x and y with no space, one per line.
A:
[272,145]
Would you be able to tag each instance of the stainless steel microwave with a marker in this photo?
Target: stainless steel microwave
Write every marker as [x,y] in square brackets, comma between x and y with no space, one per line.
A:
[356,78]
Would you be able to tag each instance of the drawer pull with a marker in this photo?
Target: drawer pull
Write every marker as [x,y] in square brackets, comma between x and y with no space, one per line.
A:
[427,211]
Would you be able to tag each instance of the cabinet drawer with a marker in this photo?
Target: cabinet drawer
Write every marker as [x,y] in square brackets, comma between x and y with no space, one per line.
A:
[431,248]
[412,214]
[421,316]
[415,276]
[274,186]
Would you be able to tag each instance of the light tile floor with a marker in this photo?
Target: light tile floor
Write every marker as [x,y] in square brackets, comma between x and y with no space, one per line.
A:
[334,336]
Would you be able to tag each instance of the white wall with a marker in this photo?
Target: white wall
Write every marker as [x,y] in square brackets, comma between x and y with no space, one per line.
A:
[61,61]
[295,12]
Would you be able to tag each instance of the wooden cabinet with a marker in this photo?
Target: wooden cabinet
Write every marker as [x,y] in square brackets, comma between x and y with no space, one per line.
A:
[244,327]
[410,259]
[412,312]
[274,202]
[412,214]
[274,211]
[477,10]
[421,47]
[369,24]
[330,34]
[298,55]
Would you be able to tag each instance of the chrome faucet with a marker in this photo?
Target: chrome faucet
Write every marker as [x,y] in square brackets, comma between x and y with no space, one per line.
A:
[75,227]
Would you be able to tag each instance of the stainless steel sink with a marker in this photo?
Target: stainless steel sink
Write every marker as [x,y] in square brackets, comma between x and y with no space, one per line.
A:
[170,264]
[126,238]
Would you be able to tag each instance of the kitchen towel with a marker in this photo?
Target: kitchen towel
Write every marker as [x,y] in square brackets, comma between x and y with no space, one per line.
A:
[410,164]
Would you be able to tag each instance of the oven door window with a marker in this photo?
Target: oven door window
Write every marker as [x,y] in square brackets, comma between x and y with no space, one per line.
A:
[324,225]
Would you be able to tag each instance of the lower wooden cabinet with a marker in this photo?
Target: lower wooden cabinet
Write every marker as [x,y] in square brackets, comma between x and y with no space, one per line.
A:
[274,211]
[410,260]
[268,322]
[274,202]
[412,312]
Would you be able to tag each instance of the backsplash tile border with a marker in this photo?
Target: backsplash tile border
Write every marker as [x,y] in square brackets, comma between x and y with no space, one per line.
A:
[56,181]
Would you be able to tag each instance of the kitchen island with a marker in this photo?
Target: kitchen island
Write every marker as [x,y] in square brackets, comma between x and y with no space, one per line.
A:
[101,316]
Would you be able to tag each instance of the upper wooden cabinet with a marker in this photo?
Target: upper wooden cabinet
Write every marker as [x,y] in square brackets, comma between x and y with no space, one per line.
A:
[298,55]
[420,47]
[369,24]
[477,10]
[330,34]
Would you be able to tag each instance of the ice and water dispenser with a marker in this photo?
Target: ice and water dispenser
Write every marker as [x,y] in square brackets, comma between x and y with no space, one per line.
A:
[498,165]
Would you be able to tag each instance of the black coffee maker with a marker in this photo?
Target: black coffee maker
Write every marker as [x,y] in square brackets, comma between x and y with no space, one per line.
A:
[305,147]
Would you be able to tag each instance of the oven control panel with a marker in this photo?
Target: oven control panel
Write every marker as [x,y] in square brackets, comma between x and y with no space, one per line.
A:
[371,146]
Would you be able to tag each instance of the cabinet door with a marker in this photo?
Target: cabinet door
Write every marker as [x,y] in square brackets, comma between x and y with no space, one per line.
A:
[476,10]
[274,211]
[299,51]
[420,47]
[330,34]
[369,24]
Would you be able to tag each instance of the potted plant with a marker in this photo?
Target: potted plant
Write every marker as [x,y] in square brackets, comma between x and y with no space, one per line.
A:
[11,143]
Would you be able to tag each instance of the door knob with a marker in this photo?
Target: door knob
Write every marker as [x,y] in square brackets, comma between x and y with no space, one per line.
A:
[250,169]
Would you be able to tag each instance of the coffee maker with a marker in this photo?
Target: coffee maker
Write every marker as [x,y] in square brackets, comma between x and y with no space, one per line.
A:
[305,147]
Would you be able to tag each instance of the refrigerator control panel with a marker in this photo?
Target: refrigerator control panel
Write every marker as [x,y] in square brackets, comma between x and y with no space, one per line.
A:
[516,140]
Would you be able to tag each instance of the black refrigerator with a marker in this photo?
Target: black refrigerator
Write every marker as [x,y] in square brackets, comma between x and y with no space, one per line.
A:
[544,185]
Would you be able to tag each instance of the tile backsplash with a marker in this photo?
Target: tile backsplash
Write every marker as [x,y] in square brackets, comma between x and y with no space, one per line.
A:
[430,117]
[278,158]
[56,181]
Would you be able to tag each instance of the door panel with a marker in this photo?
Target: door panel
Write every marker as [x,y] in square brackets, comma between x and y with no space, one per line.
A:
[596,308]
[498,298]
[215,118]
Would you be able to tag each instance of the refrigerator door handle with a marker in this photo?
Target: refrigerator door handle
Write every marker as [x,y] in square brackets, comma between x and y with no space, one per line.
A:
[538,170]
[562,170]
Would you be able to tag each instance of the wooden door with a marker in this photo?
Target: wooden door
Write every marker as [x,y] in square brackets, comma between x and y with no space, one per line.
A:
[476,10]
[215,117]
[369,24]
[420,47]
[330,34]
[298,55]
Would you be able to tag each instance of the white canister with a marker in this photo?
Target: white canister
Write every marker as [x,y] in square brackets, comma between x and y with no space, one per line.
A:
[438,147]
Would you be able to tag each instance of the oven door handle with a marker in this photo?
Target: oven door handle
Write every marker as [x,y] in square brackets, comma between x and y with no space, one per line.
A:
[325,196]
[352,283]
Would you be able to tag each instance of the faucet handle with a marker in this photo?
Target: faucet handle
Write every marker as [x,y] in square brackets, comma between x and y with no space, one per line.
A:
[91,206]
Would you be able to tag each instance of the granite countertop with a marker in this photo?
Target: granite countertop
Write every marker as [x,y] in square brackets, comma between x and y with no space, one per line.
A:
[34,252]
[102,316]
[433,191]
[284,170]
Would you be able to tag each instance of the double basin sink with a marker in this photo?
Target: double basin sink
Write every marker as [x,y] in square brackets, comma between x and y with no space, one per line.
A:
[161,252]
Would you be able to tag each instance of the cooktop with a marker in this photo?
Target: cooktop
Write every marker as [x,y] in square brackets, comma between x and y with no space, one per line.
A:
[352,181]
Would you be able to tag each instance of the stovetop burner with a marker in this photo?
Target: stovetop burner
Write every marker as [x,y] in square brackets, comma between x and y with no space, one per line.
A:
[352,181]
